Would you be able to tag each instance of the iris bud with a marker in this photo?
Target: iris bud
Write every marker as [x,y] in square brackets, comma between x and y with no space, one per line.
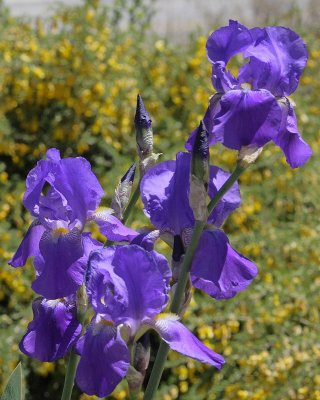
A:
[143,126]
[122,192]
[199,174]
[81,302]
[136,373]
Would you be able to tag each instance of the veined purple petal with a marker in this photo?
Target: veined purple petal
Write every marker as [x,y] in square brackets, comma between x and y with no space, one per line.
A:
[59,273]
[105,360]
[29,247]
[221,46]
[296,150]
[53,330]
[228,41]
[164,192]
[229,202]
[277,58]
[218,269]
[247,117]
[74,191]
[180,339]
[126,284]
[112,227]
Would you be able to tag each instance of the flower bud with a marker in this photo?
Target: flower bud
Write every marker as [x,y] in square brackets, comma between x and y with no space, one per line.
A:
[81,302]
[199,174]
[143,126]
[136,373]
[142,353]
[122,192]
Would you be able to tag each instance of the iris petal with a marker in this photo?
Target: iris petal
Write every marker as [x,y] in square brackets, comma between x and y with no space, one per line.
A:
[164,193]
[218,269]
[53,330]
[104,360]
[112,227]
[247,117]
[277,58]
[296,150]
[60,274]
[127,284]
[29,247]
[180,339]
[221,46]
[74,189]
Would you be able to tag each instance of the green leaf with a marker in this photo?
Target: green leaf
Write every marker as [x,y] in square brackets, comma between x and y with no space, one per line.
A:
[13,390]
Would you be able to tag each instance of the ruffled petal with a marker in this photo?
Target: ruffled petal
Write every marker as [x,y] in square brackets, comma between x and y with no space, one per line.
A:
[218,269]
[247,117]
[29,247]
[112,227]
[165,191]
[73,194]
[229,202]
[277,59]
[105,360]
[147,240]
[296,150]
[59,272]
[180,339]
[126,284]
[53,330]
[221,46]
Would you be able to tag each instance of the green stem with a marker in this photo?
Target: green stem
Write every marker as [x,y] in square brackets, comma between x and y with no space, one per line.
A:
[70,375]
[132,203]
[163,351]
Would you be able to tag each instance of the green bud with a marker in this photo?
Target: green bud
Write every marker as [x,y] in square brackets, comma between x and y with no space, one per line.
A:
[199,176]
[122,192]
[143,126]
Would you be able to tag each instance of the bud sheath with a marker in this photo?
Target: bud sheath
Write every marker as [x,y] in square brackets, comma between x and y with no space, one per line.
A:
[199,174]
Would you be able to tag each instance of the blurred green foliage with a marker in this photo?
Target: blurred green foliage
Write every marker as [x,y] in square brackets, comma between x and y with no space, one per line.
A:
[71,82]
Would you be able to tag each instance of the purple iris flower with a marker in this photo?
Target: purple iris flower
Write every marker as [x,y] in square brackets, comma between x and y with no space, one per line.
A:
[217,268]
[253,108]
[62,195]
[53,330]
[128,289]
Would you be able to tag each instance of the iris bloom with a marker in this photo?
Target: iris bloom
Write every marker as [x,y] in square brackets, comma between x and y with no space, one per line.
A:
[217,268]
[253,108]
[62,195]
[128,289]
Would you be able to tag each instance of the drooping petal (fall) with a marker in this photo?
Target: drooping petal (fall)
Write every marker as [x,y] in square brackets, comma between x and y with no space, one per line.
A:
[105,359]
[59,274]
[29,247]
[180,339]
[247,117]
[296,150]
[218,269]
[53,330]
